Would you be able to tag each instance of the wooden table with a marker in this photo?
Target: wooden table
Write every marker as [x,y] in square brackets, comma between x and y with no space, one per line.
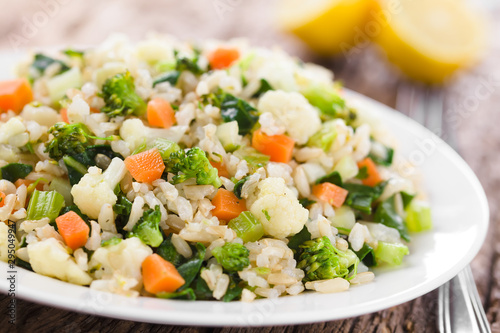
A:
[364,71]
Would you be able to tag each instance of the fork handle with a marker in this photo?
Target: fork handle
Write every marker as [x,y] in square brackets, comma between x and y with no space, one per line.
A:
[460,308]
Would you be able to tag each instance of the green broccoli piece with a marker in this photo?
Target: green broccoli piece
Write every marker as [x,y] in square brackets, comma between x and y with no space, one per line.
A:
[147,228]
[69,139]
[120,97]
[321,260]
[232,256]
[192,164]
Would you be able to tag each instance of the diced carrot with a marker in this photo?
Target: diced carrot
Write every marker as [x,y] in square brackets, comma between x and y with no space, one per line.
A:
[14,95]
[278,147]
[372,172]
[223,57]
[145,167]
[73,229]
[331,193]
[227,205]
[160,113]
[160,275]
[64,115]
[2,199]
[27,183]
[221,168]
[94,110]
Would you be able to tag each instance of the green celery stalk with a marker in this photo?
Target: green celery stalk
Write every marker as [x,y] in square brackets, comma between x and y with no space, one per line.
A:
[247,227]
[390,253]
[165,147]
[45,204]
[418,216]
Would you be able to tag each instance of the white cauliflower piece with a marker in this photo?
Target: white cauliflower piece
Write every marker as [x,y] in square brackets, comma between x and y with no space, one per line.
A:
[49,257]
[124,259]
[278,209]
[291,109]
[135,133]
[11,128]
[96,189]
[4,242]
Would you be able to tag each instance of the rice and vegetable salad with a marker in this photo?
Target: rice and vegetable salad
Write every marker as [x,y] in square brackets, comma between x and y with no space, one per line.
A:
[213,171]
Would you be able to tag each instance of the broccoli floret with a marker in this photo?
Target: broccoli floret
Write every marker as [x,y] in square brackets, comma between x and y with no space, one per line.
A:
[69,139]
[147,228]
[120,97]
[321,260]
[192,164]
[232,256]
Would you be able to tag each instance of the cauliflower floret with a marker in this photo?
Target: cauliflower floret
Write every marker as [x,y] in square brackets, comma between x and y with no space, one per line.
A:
[278,209]
[11,128]
[96,189]
[4,242]
[135,133]
[123,259]
[49,257]
[300,118]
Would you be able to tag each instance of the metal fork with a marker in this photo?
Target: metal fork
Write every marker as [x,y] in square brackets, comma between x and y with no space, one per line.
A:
[459,305]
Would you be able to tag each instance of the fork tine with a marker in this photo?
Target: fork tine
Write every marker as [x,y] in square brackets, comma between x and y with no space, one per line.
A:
[476,302]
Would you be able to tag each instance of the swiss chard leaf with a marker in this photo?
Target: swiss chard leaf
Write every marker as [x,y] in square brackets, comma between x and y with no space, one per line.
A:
[190,269]
[122,209]
[187,293]
[366,255]
[233,290]
[264,87]
[201,289]
[306,202]
[383,155]
[233,108]
[87,158]
[333,178]
[361,197]
[41,62]
[15,171]
[167,251]
[298,239]
[171,77]
[387,215]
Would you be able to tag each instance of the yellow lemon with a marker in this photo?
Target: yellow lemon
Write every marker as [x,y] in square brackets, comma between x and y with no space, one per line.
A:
[429,39]
[327,26]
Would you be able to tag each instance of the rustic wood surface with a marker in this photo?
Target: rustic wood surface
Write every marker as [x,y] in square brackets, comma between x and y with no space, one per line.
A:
[364,70]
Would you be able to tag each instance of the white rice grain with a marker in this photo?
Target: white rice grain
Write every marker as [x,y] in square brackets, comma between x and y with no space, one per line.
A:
[81,259]
[106,218]
[329,286]
[247,296]
[221,286]
[94,241]
[364,277]
[181,246]
[135,213]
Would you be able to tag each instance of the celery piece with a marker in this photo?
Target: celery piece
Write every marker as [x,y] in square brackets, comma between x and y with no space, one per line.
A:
[252,156]
[344,218]
[58,84]
[45,204]
[165,147]
[63,187]
[324,137]
[390,253]
[247,227]
[418,216]
[228,135]
[326,98]
[346,167]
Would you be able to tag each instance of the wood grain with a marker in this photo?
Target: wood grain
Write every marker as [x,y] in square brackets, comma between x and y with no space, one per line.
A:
[364,71]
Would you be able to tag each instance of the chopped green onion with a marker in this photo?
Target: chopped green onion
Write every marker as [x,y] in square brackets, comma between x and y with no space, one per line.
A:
[45,204]
[247,227]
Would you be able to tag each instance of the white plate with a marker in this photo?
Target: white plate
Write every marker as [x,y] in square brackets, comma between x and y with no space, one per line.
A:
[460,214]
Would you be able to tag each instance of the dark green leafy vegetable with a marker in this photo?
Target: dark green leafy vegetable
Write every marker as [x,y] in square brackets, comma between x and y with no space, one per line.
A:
[41,62]
[333,178]
[147,228]
[235,109]
[264,87]
[187,64]
[122,209]
[192,164]
[407,198]
[386,214]
[238,186]
[44,204]
[201,289]
[366,254]
[361,197]
[15,171]
[189,269]
[187,293]
[167,251]
[120,97]
[76,170]
[383,155]
[233,290]
[298,239]
[171,77]
[232,256]
[321,260]
[306,202]
[362,173]
[23,264]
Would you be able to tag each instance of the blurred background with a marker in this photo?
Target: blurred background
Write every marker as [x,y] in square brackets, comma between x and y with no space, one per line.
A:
[391,50]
